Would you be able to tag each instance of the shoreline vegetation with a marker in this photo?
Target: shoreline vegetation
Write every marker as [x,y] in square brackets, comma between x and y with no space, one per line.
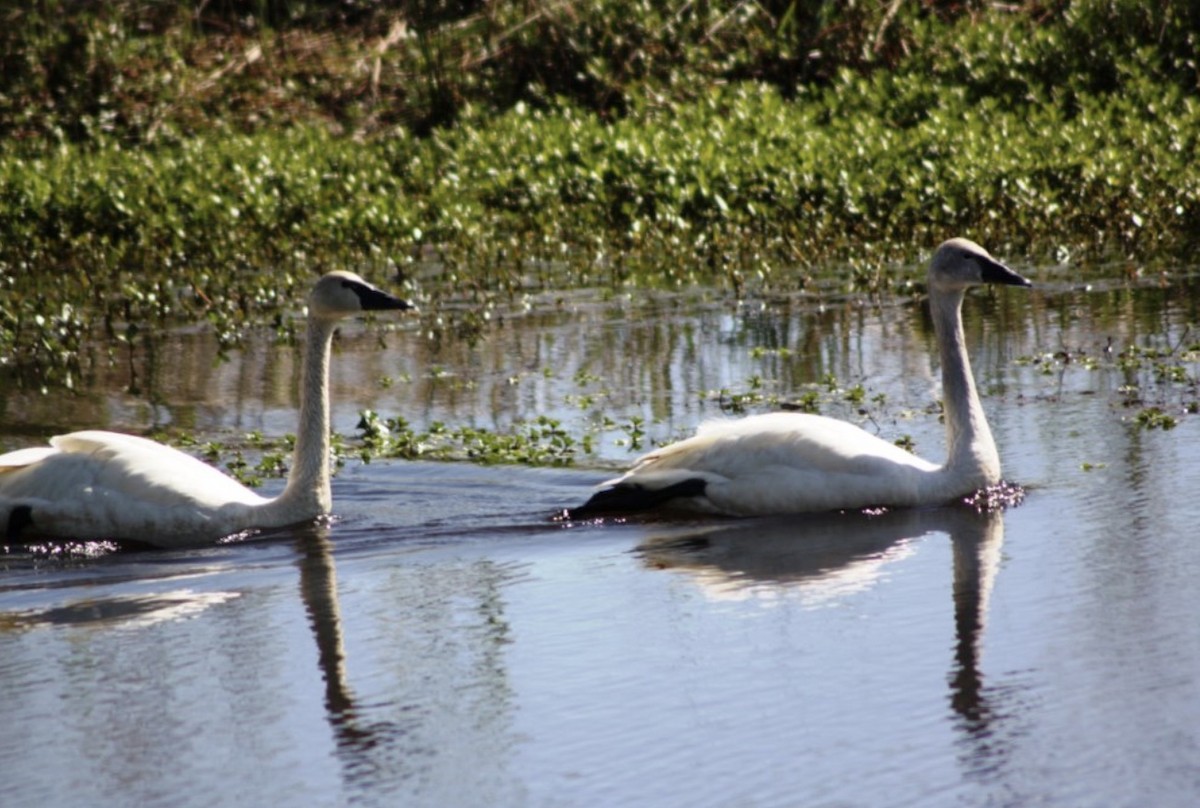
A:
[168,162]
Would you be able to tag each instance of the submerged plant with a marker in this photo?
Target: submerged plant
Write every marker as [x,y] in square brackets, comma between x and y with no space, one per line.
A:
[1155,418]
[540,442]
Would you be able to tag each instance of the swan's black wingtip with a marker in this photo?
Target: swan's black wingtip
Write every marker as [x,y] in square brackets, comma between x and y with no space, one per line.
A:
[630,497]
[601,503]
[19,518]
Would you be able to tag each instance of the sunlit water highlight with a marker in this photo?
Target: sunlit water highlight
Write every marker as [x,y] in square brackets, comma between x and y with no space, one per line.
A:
[445,642]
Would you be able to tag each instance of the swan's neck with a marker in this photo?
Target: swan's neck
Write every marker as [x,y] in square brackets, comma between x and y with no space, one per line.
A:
[972,458]
[308,493]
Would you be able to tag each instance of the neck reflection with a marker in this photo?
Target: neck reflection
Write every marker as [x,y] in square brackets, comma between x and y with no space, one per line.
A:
[820,558]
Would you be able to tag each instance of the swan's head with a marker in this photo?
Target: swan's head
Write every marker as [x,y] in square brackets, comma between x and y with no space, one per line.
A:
[343,294]
[960,263]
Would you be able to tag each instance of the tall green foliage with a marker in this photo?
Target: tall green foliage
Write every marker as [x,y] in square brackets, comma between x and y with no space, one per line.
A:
[165,161]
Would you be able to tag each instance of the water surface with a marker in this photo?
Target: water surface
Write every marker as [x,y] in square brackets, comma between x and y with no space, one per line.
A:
[445,642]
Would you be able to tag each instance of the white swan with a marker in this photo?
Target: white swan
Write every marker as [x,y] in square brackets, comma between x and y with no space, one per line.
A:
[783,463]
[106,485]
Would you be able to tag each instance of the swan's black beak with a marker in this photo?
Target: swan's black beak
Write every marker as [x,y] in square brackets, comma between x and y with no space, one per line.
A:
[372,299]
[996,272]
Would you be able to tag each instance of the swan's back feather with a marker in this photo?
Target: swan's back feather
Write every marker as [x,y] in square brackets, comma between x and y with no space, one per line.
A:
[795,440]
[24,457]
[150,471]
[784,462]
[108,485]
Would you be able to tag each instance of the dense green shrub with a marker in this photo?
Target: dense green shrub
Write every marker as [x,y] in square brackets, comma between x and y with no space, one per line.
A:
[141,71]
[168,160]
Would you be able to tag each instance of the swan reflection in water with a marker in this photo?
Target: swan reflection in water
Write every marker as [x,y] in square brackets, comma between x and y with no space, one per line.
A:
[362,744]
[433,707]
[819,558]
[318,589]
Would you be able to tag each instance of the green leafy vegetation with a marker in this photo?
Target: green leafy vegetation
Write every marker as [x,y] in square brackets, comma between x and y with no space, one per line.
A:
[1155,418]
[177,162]
[541,442]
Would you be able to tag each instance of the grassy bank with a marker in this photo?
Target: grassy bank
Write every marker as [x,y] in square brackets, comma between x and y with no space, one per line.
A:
[165,162]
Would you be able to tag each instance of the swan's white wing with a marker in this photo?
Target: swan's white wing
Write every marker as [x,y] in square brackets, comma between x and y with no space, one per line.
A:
[148,471]
[24,457]
[798,441]
[97,484]
[784,462]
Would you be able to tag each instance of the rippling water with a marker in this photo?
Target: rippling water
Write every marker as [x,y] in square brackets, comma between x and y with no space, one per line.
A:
[445,642]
